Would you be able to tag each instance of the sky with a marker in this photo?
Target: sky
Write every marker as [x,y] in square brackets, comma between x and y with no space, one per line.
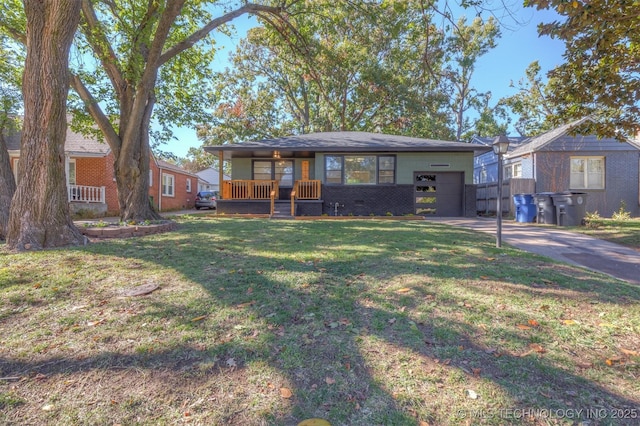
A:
[518,47]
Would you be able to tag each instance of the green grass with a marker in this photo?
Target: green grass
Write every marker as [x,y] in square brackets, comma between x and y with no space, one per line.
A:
[624,232]
[364,322]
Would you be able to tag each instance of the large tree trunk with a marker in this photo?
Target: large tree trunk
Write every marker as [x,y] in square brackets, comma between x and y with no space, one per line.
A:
[39,215]
[7,187]
[132,164]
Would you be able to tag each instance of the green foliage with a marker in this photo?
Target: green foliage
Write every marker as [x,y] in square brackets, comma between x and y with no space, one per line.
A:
[386,67]
[532,104]
[622,213]
[600,73]
[592,220]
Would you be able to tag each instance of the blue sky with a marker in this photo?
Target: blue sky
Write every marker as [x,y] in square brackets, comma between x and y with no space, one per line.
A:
[517,48]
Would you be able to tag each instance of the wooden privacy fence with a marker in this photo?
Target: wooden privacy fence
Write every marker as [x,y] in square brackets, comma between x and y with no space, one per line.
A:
[487,195]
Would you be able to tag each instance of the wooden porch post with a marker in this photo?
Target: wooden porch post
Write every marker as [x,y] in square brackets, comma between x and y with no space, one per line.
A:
[220,172]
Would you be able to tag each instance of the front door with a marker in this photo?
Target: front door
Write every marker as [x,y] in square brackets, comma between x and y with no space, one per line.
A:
[439,193]
[278,170]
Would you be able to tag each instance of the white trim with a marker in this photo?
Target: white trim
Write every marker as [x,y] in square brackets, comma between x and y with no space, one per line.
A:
[173,185]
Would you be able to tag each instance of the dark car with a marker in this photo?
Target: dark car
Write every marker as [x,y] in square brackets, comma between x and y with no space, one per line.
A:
[206,199]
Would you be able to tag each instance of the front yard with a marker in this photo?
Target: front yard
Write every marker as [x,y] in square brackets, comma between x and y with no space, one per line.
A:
[357,322]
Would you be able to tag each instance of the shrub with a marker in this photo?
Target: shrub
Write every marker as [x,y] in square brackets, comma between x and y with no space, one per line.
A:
[622,213]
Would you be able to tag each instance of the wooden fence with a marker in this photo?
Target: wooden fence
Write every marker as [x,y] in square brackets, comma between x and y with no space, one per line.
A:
[487,195]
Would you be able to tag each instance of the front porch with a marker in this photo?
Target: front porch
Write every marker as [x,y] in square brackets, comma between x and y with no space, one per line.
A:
[241,196]
[91,198]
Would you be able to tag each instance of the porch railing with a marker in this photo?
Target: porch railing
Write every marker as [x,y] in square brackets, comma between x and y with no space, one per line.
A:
[86,194]
[239,189]
[308,189]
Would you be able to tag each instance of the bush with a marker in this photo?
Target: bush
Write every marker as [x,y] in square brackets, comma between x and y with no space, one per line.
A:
[592,220]
[622,213]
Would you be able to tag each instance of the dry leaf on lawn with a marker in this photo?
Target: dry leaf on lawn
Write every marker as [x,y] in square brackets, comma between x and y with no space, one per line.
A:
[329,380]
[286,393]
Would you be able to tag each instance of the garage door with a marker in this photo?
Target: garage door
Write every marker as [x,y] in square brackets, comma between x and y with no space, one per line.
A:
[439,193]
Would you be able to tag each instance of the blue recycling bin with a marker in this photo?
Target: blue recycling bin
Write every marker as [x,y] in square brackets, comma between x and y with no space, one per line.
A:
[525,208]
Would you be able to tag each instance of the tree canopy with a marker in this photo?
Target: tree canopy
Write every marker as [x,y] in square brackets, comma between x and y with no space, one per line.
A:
[600,76]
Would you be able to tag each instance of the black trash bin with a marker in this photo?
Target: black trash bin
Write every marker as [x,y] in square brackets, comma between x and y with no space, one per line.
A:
[546,212]
[525,208]
[570,208]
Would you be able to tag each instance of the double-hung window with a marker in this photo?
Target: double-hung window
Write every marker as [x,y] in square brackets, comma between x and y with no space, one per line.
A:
[168,184]
[360,169]
[587,173]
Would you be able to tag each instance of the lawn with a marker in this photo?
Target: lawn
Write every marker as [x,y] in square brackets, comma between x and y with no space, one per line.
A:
[359,322]
[624,232]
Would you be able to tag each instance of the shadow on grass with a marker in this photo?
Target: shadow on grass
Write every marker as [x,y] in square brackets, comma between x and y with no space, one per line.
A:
[340,307]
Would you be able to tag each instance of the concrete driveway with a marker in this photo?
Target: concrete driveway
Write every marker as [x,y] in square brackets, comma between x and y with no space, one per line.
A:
[562,245]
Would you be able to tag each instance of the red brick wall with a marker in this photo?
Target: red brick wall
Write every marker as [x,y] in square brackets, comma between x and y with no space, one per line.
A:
[99,172]
[181,198]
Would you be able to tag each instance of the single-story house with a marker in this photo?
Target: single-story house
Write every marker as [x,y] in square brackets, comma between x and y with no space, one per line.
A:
[349,173]
[91,180]
[209,179]
[607,170]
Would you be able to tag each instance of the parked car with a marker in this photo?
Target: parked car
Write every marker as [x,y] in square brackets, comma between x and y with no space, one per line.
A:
[206,199]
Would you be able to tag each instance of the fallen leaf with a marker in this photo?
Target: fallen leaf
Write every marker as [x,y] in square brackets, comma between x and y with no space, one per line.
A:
[614,360]
[286,393]
[476,371]
[37,285]
[568,322]
[545,307]
[392,321]
[533,323]
[404,290]
[329,380]
[472,394]
[538,348]
[523,327]
[250,290]
[344,321]
[314,422]
[200,318]
[491,258]
[244,305]
[47,407]
[484,277]
[629,352]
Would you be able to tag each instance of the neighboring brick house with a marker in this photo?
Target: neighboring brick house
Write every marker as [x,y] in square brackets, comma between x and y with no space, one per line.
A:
[91,179]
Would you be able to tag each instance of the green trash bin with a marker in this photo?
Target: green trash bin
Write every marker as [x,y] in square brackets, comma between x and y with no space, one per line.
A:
[570,208]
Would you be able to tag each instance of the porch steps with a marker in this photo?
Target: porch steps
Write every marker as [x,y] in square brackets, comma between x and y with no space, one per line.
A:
[282,210]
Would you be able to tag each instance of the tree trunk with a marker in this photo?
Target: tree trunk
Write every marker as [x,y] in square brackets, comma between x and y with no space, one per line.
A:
[7,187]
[132,179]
[39,215]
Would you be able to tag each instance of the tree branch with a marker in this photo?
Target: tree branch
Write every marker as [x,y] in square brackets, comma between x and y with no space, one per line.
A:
[100,118]
[212,25]
[98,41]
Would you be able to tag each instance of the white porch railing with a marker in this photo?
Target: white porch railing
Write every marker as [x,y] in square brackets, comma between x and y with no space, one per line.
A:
[86,194]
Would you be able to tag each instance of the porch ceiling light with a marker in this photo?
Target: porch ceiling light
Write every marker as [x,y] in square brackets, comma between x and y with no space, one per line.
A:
[500,145]
[276,154]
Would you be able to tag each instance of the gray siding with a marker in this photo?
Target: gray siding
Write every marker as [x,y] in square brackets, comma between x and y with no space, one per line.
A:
[621,179]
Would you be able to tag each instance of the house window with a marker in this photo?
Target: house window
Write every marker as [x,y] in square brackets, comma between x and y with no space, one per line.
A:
[360,169]
[587,173]
[513,171]
[279,170]
[168,182]
[71,179]
[150,177]
[517,170]
[188,185]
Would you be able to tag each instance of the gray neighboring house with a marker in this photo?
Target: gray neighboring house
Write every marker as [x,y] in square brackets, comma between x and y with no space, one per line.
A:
[209,179]
[349,173]
[607,170]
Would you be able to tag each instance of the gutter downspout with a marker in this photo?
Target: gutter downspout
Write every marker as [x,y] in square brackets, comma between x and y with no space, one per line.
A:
[160,189]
